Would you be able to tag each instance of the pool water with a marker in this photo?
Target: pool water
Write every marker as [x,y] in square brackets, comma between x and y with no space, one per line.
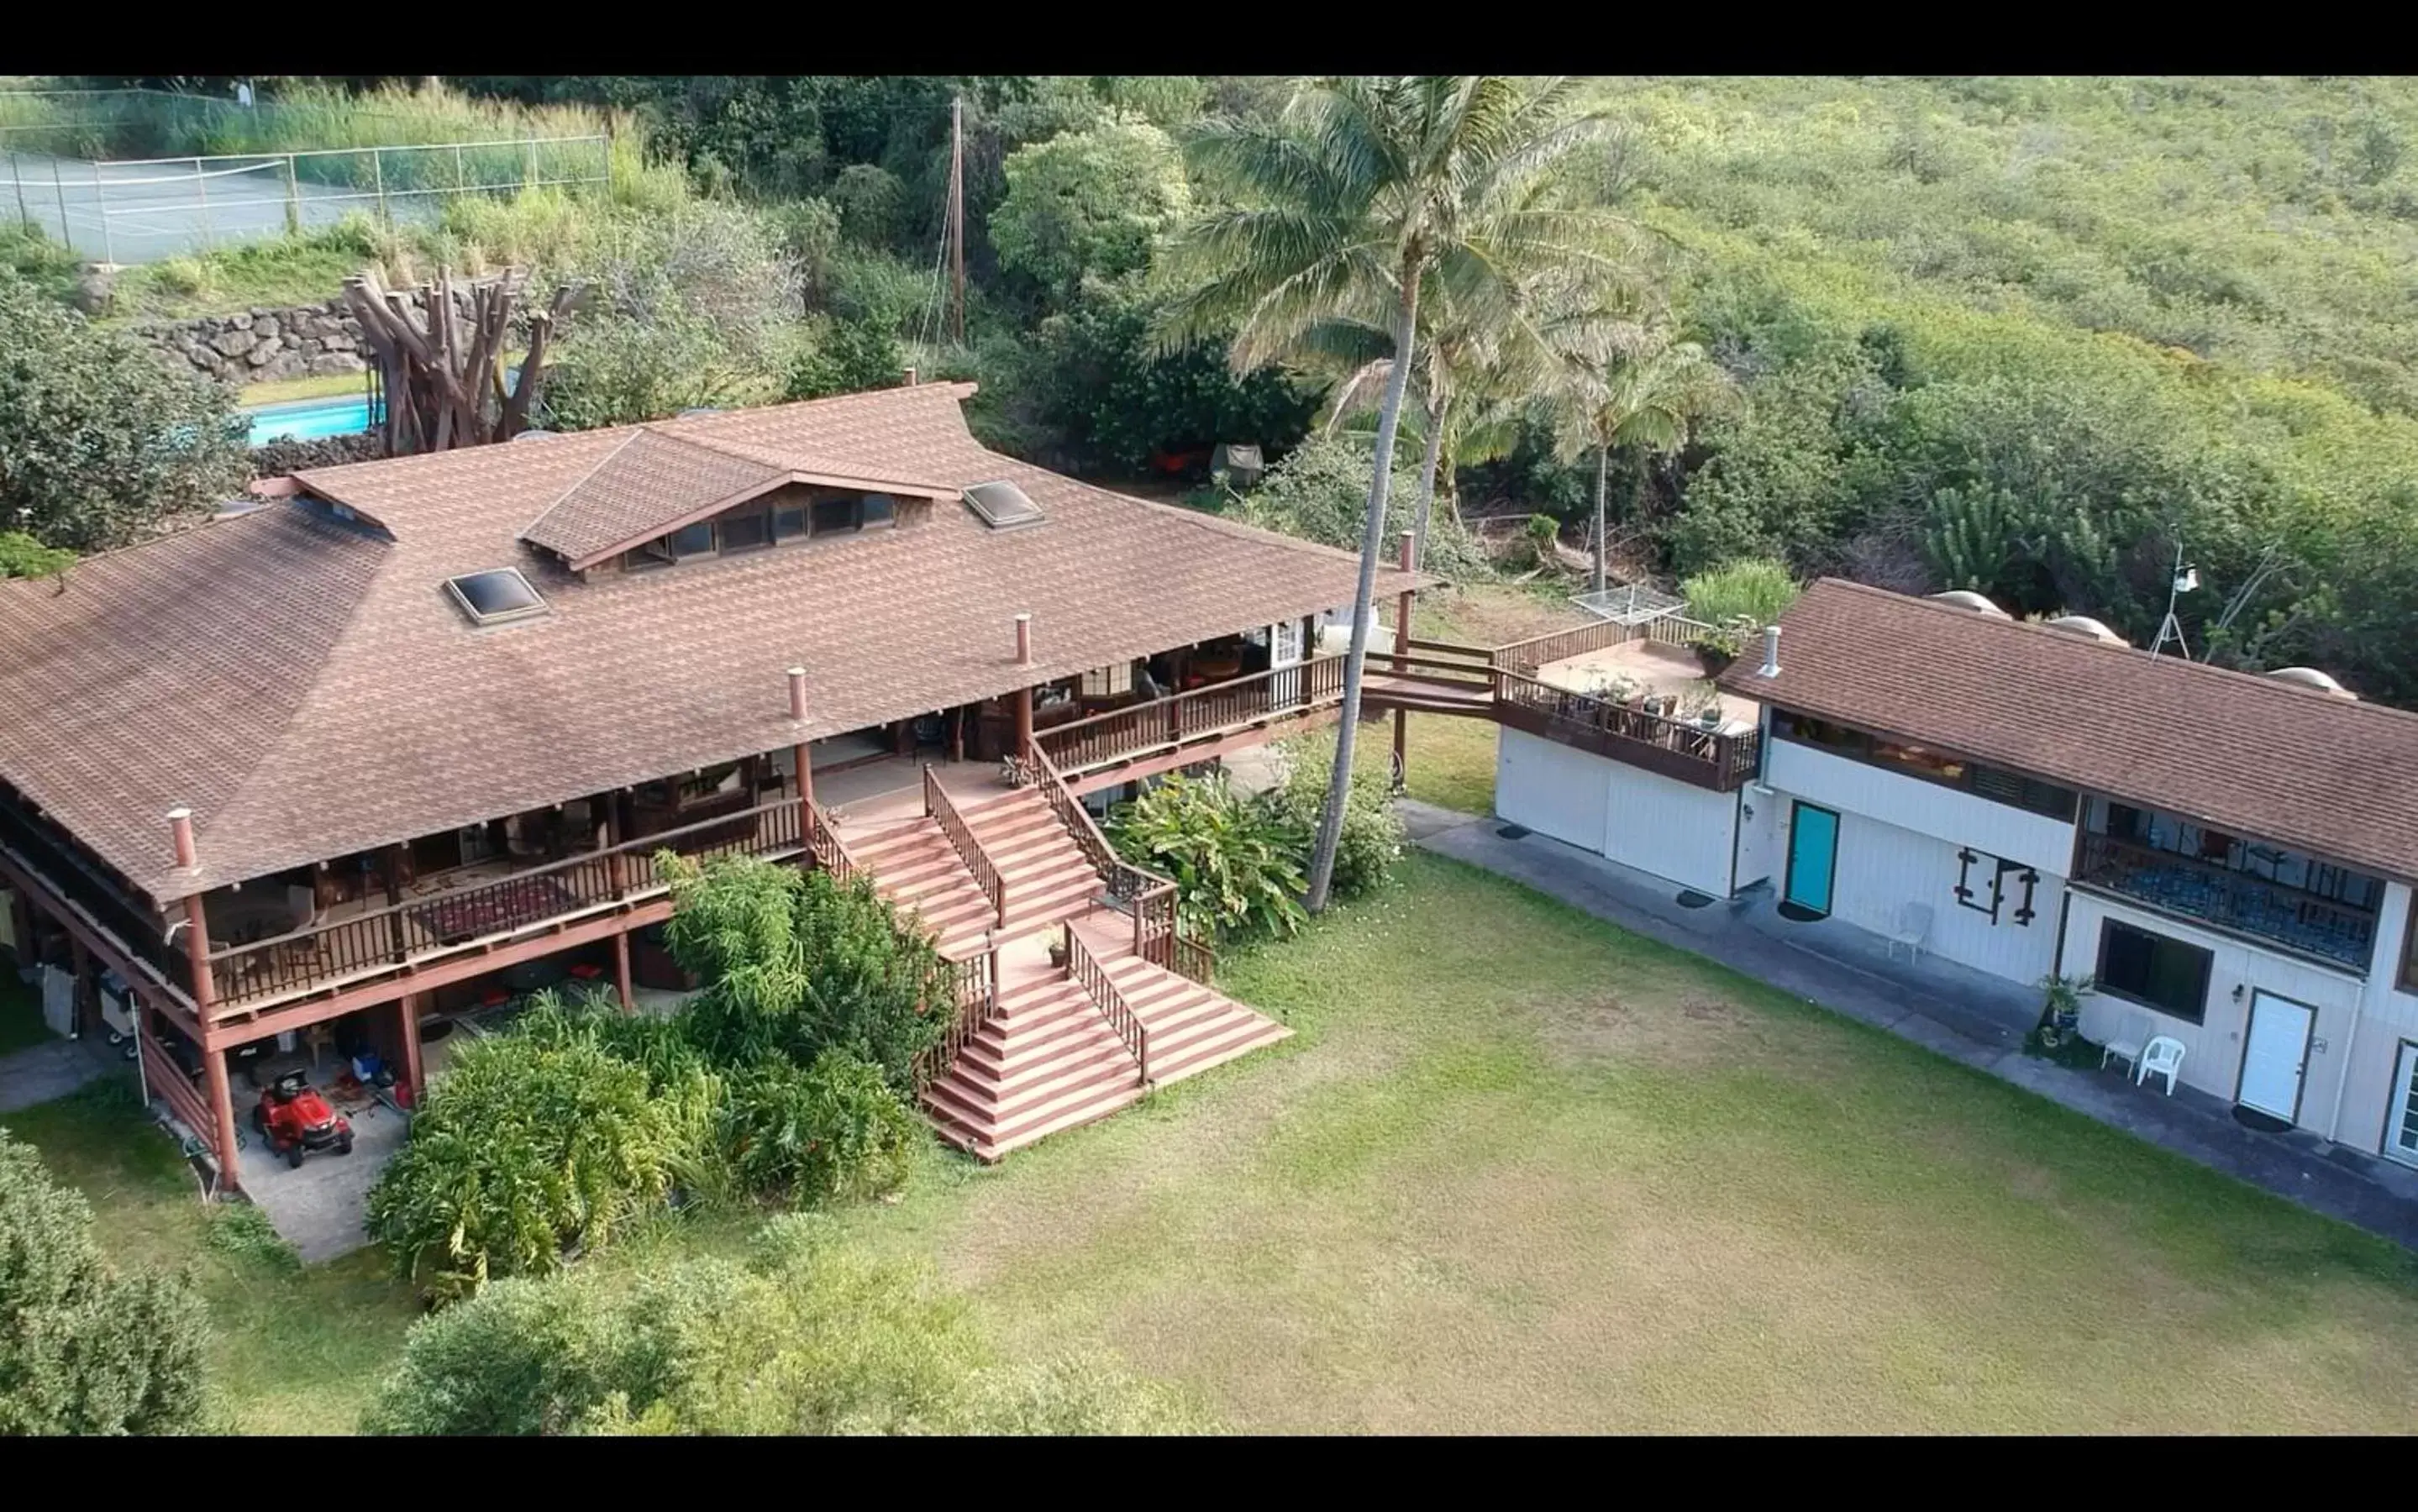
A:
[309,420]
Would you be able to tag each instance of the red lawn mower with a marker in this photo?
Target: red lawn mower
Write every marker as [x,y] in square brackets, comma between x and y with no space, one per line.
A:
[294,1118]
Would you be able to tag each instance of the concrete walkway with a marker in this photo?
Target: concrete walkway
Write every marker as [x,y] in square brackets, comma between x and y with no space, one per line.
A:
[54,1069]
[1962,1013]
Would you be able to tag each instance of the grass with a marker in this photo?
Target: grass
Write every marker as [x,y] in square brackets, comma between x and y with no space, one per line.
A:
[1521,1171]
[20,1016]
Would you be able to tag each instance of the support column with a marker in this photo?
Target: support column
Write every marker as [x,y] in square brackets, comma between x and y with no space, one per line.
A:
[805,761]
[197,959]
[410,1005]
[80,960]
[1403,649]
[1024,695]
[622,971]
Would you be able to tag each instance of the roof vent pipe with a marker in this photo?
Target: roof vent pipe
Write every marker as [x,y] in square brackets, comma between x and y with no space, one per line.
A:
[180,825]
[911,378]
[1770,667]
[1024,640]
[798,694]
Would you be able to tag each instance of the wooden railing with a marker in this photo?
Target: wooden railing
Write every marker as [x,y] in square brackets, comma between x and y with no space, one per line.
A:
[2193,888]
[830,852]
[1195,959]
[465,918]
[961,837]
[974,993]
[1561,644]
[103,904]
[1681,748]
[1081,967]
[172,1084]
[1082,744]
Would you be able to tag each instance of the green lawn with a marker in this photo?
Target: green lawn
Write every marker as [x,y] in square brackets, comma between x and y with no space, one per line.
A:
[21,1014]
[1518,1171]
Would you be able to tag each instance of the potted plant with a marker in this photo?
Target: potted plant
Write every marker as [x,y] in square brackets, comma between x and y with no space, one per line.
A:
[1058,953]
[1718,646]
[2061,1012]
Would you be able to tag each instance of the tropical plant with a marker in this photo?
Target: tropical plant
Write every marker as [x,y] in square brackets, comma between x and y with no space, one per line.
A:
[21,556]
[1088,203]
[842,356]
[1373,833]
[830,1130]
[527,1147]
[1320,492]
[84,1347]
[1392,184]
[1236,863]
[797,964]
[1755,591]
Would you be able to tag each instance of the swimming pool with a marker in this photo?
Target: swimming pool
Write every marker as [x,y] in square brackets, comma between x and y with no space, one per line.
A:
[309,420]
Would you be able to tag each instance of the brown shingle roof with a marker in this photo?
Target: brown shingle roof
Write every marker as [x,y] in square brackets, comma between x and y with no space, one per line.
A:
[638,489]
[307,688]
[2241,753]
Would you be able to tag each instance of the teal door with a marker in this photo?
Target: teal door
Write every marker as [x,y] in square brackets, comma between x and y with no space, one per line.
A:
[1812,857]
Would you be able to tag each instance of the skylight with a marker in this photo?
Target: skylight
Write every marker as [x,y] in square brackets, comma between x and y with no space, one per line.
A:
[496,596]
[1002,505]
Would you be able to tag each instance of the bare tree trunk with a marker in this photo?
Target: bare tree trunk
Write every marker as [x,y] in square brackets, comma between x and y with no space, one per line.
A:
[1602,460]
[1372,544]
[1437,408]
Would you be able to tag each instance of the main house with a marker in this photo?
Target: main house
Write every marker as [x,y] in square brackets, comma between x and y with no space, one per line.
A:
[2229,856]
[406,737]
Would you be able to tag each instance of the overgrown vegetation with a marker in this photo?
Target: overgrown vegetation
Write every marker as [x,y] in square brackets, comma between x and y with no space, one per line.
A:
[84,1347]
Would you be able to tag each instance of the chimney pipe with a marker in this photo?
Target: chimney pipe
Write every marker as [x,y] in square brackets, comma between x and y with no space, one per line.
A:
[798,693]
[911,378]
[1770,667]
[1024,640]
[181,824]
[1404,558]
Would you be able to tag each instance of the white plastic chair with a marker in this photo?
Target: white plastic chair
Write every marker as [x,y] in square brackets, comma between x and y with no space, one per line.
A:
[1913,927]
[2162,1057]
[2126,1045]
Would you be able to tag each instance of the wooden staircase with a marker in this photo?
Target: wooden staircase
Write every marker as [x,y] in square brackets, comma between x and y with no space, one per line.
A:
[1048,1059]
[1045,875]
[918,872]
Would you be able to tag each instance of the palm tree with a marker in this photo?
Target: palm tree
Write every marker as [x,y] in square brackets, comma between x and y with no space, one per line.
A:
[1370,188]
[1626,381]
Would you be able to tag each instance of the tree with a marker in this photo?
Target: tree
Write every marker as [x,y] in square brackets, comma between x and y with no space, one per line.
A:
[100,443]
[1386,184]
[1628,383]
[797,964]
[85,1348]
[845,357]
[1089,202]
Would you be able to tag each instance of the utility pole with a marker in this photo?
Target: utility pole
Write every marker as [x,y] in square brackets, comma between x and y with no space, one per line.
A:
[957,211]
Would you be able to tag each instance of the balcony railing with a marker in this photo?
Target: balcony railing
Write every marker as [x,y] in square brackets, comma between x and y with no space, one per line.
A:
[104,904]
[1082,745]
[1680,749]
[2171,882]
[367,944]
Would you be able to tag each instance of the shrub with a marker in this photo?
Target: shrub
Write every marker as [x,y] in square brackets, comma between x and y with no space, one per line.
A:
[85,1349]
[844,358]
[1320,492]
[872,204]
[21,556]
[1373,835]
[1236,863]
[528,1146]
[98,441]
[799,964]
[830,1130]
[522,1357]
[1752,591]
[1089,202]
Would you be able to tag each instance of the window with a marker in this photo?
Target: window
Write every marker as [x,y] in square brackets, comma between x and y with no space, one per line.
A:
[1921,760]
[2410,948]
[2042,797]
[656,552]
[745,532]
[692,540]
[1109,682]
[2154,971]
[880,509]
[789,522]
[836,516]
[1986,883]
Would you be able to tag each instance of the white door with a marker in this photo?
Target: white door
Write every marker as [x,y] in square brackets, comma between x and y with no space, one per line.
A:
[2276,1055]
[2401,1128]
[1284,650]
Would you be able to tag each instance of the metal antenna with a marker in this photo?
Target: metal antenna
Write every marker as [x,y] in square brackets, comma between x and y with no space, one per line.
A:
[2184,581]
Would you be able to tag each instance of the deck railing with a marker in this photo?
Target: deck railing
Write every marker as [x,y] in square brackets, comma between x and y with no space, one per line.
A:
[2196,889]
[1111,1004]
[1147,897]
[1561,644]
[1686,750]
[961,838]
[973,993]
[466,918]
[104,904]
[1082,744]
[830,852]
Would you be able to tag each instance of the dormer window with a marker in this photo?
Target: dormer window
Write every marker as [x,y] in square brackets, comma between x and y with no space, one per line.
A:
[789,522]
[693,541]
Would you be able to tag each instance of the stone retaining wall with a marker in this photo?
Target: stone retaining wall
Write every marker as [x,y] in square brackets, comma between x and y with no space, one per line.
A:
[262,345]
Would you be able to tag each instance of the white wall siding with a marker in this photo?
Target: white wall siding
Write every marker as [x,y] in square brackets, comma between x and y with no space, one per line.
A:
[1924,807]
[1763,830]
[2212,1049]
[1665,828]
[1551,788]
[2369,1096]
[1881,868]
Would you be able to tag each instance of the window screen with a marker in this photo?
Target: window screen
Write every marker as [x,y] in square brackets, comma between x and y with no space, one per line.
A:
[2154,971]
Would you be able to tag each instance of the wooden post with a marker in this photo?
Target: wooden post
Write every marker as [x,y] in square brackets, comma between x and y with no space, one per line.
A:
[394,903]
[410,1005]
[1024,695]
[197,960]
[1403,649]
[622,971]
[81,961]
[805,761]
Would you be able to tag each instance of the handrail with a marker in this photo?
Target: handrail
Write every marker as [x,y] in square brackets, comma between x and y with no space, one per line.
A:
[1081,967]
[961,838]
[1684,749]
[1145,895]
[973,990]
[1451,647]
[2328,930]
[1575,641]
[1257,697]
[459,918]
[82,887]
[823,841]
